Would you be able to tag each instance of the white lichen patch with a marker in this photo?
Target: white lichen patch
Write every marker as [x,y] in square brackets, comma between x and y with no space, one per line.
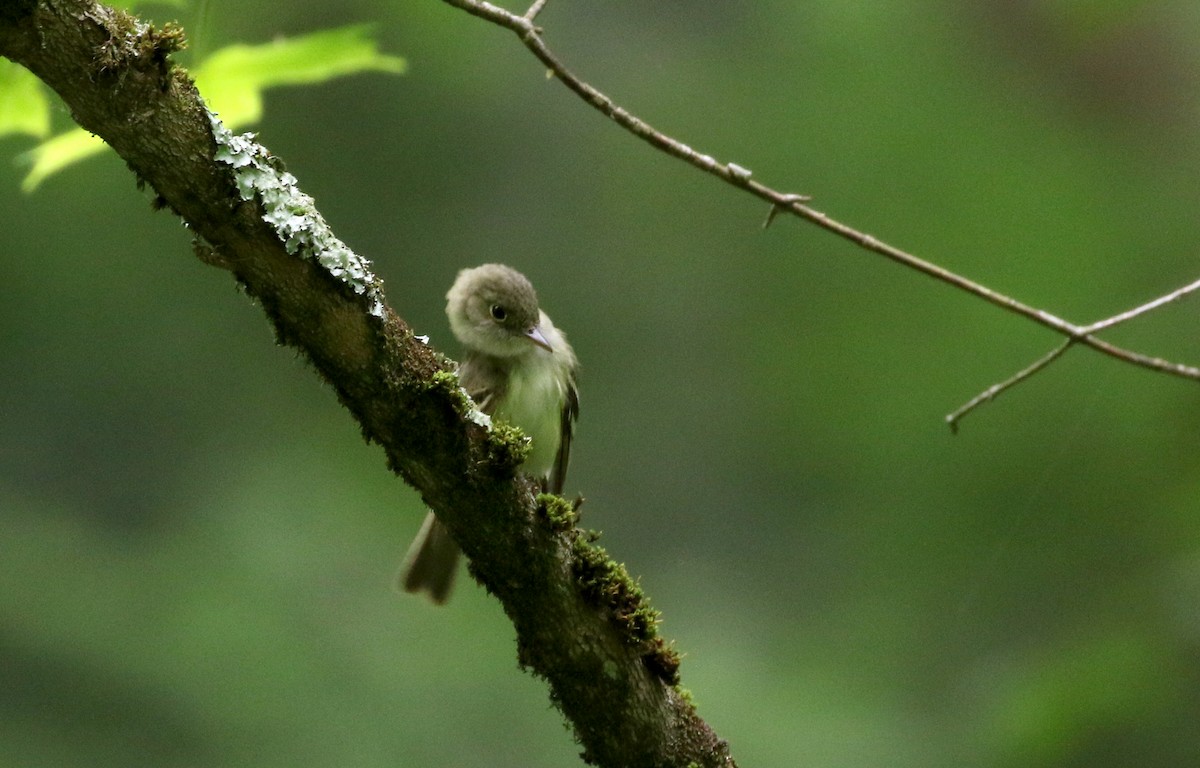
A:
[478,416]
[292,213]
[739,173]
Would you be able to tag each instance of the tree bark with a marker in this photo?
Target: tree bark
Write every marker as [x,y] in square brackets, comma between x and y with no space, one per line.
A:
[581,623]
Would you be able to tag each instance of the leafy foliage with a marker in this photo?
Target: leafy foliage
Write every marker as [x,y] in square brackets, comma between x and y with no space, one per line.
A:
[24,107]
[232,81]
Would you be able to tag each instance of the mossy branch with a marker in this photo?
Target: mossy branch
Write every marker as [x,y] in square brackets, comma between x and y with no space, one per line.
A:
[581,623]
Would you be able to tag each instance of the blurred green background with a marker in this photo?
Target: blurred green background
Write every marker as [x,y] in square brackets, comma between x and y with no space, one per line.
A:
[197,547]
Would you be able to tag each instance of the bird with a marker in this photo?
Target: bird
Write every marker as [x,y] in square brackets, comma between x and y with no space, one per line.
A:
[519,369]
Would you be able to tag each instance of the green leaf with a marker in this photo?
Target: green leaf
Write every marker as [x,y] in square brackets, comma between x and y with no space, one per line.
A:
[232,81]
[24,108]
[129,5]
[54,154]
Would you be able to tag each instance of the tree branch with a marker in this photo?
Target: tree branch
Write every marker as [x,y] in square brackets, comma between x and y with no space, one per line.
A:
[740,177]
[581,623]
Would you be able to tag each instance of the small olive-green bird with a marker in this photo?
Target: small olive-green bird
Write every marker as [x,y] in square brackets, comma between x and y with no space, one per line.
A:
[519,369]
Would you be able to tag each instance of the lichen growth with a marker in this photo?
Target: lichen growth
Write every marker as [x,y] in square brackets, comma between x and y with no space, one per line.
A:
[507,445]
[559,512]
[132,43]
[170,38]
[607,584]
[292,214]
[663,660]
[160,42]
[124,32]
[447,382]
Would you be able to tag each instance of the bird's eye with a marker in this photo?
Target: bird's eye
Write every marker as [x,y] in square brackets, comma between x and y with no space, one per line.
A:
[499,313]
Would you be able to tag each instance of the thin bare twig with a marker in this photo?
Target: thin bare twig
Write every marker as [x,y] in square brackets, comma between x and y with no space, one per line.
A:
[992,392]
[534,10]
[1155,304]
[995,390]
[740,177]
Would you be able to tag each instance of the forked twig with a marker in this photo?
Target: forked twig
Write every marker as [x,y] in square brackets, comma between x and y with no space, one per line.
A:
[995,390]
[780,202]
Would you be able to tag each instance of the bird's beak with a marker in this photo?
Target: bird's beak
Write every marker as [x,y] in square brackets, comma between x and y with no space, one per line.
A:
[534,334]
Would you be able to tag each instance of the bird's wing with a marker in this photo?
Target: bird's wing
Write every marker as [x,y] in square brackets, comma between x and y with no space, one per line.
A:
[570,412]
[479,375]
